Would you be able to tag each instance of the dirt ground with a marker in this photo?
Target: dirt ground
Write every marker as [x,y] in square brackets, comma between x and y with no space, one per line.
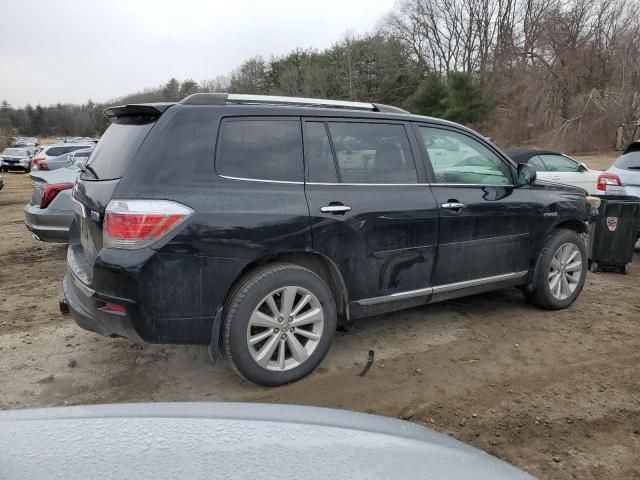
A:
[555,393]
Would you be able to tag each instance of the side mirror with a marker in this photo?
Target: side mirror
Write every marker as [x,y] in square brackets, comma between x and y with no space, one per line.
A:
[526,174]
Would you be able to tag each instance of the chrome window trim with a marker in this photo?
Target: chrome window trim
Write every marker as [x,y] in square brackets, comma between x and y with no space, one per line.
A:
[472,185]
[440,288]
[369,184]
[261,180]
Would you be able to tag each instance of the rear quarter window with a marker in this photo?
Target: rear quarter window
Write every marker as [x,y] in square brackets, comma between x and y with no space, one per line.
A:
[115,151]
[268,149]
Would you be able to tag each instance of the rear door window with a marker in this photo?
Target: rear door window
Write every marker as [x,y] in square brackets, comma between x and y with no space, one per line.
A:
[261,149]
[372,153]
[117,147]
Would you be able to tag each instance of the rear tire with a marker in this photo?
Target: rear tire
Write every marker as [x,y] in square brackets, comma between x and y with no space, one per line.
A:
[279,324]
[560,272]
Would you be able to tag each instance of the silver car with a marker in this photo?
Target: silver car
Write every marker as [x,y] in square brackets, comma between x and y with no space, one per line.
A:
[623,177]
[56,156]
[16,159]
[48,215]
[230,440]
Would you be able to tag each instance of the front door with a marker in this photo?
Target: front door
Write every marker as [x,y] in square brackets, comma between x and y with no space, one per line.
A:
[485,220]
[371,214]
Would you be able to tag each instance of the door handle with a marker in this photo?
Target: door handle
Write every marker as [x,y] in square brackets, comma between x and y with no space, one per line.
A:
[336,209]
[453,205]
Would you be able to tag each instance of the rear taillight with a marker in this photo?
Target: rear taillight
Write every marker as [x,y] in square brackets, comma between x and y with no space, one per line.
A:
[42,165]
[50,191]
[605,179]
[34,161]
[134,224]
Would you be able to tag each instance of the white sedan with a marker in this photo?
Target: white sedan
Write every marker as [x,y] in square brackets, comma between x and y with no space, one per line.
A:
[558,168]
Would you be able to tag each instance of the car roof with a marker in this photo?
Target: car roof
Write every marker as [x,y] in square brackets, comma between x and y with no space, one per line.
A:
[277,105]
[68,144]
[523,155]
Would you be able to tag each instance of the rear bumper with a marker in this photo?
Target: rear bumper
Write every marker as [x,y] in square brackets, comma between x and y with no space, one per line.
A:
[84,306]
[48,226]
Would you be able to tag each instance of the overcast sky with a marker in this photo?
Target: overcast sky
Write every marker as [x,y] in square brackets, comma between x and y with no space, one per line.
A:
[70,51]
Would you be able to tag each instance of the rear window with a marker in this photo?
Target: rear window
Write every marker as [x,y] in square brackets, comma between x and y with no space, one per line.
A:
[628,161]
[117,147]
[56,151]
[261,149]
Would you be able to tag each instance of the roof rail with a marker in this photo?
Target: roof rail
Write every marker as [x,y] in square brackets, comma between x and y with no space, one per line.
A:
[226,98]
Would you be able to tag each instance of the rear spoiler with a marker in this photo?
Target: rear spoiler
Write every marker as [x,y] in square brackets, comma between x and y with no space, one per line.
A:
[148,109]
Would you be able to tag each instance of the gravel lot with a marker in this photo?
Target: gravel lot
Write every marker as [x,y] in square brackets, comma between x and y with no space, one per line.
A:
[555,393]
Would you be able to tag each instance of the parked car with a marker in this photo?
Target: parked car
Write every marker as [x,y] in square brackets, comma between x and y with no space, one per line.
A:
[623,177]
[56,156]
[230,441]
[200,223]
[79,157]
[16,159]
[557,167]
[49,214]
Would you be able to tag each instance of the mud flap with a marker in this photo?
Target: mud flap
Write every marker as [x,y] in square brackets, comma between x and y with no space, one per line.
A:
[214,346]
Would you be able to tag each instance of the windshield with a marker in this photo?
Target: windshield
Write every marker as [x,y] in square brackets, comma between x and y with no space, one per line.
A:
[16,152]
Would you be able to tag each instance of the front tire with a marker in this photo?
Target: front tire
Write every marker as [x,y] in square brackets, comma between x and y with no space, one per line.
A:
[279,324]
[560,272]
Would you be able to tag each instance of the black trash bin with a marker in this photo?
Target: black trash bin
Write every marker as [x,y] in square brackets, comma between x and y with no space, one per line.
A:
[614,233]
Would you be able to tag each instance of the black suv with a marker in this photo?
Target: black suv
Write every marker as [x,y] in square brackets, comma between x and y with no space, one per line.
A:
[256,225]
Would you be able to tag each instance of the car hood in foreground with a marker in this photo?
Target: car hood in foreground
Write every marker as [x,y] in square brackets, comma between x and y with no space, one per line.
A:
[230,440]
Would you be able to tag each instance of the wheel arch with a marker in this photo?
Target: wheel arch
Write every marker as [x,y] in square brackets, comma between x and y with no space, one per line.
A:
[570,224]
[318,264]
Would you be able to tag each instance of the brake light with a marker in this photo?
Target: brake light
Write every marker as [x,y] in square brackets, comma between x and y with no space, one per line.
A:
[50,192]
[605,179]
[132,224]
[42,165]
[35,161]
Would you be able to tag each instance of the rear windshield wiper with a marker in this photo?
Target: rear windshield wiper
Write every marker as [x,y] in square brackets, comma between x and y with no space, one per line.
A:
[89,170]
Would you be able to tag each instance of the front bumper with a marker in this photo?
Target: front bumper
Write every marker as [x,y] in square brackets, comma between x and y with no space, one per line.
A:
[85,307]
[15,166]
[46,225]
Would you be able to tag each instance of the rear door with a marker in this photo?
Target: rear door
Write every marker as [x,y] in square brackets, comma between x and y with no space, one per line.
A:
[485,221]
[371,213]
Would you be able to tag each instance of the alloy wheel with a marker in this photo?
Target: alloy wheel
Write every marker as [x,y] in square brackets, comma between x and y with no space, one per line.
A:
[285,328]
[565,271]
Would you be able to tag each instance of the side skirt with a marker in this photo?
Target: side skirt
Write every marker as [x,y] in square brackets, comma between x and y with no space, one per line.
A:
[401,300]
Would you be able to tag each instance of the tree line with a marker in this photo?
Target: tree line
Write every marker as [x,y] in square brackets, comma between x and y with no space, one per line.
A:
[553,72]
